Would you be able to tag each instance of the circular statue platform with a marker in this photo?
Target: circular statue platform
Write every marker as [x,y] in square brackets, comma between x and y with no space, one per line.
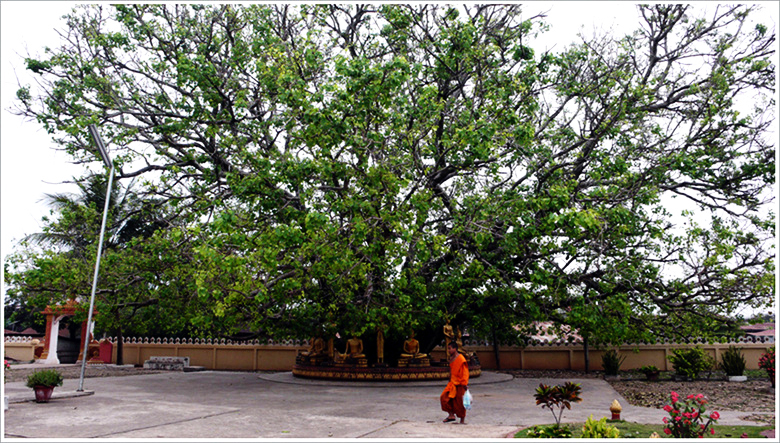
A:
[379,374]
[485,378]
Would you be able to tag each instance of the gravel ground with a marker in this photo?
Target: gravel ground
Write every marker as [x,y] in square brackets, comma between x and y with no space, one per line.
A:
[754,395]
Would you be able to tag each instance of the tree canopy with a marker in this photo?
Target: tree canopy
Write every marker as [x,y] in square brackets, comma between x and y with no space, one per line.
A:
[340,167]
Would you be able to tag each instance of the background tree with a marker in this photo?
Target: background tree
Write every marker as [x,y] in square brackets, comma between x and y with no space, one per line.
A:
[349,165]
[58,263]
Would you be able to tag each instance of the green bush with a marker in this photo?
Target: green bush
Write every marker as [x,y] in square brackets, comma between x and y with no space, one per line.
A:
[691,362]
[648,369]
[599,429]
[733,362]
[47,377]
[611,361]
[554,431]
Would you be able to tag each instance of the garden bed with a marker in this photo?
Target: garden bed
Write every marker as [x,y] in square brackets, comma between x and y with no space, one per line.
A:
[755,395]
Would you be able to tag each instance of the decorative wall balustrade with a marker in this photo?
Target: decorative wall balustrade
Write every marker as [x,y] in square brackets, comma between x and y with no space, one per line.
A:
[19,339]
[209,341]
[768,339]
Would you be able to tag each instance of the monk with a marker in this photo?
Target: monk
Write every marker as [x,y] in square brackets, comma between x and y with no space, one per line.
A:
[452,396]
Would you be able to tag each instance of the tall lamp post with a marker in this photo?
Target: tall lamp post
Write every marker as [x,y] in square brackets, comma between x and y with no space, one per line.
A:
[93,131]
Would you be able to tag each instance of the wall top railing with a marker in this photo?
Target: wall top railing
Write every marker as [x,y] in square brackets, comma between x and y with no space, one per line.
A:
[19,338]
[767,339]
[770,339]
[535,343]
[208,341]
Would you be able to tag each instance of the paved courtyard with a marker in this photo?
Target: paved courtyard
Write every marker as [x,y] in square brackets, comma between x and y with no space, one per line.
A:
[214,404]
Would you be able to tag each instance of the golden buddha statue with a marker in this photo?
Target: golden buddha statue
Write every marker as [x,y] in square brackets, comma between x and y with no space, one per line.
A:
[459,342]
[316,347]
[448,334]
[412,348]
[354,348]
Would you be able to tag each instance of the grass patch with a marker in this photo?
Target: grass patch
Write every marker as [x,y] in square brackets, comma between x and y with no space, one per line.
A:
[639,430]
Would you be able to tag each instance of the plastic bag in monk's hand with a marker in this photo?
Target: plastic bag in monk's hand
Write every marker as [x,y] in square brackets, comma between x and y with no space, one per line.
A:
[467,400]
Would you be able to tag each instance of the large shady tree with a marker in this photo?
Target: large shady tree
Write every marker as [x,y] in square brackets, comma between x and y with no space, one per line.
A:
[345,168]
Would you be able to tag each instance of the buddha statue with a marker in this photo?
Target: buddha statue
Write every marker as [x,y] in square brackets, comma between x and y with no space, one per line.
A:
[412,348]
[459,342]
[354,348]
[448,334]
[314,355]
[316,348]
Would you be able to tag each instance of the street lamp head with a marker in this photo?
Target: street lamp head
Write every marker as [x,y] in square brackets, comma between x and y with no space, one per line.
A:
[93,131]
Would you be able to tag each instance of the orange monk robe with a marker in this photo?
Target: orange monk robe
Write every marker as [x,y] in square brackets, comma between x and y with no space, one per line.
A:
[459,375]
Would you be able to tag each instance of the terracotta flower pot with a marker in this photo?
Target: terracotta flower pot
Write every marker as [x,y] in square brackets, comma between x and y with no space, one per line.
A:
[43,393]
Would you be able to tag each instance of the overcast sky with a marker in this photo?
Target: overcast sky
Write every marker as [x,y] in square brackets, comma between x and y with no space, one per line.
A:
[31,167]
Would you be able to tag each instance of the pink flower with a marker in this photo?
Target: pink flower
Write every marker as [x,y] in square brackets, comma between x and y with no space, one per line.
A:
[667,431]
[715,415]
[712,431]
[700,396]
[678,418]
[668,408]
[666,420]
[695,414]
[690,397]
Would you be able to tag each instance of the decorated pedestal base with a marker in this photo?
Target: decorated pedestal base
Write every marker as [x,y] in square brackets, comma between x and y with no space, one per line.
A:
[352,363]
[356,373]
[414,362]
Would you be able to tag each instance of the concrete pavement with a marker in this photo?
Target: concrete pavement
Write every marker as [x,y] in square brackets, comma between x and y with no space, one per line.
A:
[215,404]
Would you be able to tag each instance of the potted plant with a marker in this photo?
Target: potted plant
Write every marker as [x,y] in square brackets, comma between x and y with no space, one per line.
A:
[43,382]
[650,371]
[733,364]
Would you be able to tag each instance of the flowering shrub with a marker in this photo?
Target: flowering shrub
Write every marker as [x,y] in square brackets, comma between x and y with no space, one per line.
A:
[767,362]
[6,367]
[687,418]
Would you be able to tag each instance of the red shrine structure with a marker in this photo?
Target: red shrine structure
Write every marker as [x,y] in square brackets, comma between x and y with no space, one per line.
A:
[46,352]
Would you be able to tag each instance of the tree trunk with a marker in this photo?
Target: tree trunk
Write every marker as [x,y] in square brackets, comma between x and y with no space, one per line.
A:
[119,341]
[495,349]
[587,356]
